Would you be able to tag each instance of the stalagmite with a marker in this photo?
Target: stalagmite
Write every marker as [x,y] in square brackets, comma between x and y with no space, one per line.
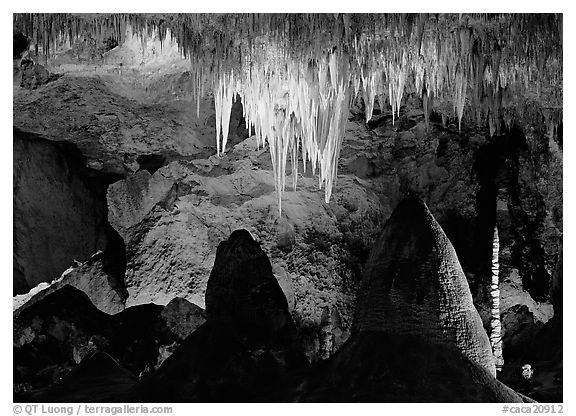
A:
[495,326]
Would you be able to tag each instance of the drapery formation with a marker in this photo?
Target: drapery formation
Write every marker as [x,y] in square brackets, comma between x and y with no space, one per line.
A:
[298,74]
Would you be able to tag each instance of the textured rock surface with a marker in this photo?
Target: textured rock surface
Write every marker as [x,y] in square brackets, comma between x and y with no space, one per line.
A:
[414,285]
[106,292]
[416,335]
[178,320]
[58,218]
[557,286]
[544,353]
[110,130]
[173,220]
[511,294]
[34,75]
[519,174]
[321,247]
[332,335]
[182,317]
[466,179]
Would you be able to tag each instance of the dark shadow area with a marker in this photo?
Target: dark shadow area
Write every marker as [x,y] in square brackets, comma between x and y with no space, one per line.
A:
[20,45]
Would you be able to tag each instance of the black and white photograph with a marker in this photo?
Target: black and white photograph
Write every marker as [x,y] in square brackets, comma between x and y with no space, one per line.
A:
[293,207]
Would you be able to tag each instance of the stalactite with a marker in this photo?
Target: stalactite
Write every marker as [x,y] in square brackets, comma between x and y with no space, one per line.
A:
[460,96]
[427,103]
[302,107]
[396,75]
[495,326]
[223,100]
[369,90]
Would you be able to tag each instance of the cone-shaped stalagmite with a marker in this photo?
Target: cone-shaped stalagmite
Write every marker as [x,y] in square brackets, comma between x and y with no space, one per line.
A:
[414,285]
[416,336]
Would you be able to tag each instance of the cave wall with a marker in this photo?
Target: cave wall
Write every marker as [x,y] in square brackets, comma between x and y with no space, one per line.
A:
[58,216]
[521,192]
[471,180]
[173,219]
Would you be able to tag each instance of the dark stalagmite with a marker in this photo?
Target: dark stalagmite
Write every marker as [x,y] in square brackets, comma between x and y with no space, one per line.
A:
[248,343]
[242,287]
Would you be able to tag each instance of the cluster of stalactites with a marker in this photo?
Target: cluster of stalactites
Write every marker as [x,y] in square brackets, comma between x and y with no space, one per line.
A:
[48,30]
[297,108]
[301,105]
[478,69]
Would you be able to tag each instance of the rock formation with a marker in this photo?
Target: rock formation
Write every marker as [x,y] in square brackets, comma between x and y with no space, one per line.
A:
[53,334]
[242,288]
[416,335]
[57,330]
[182,317]
[246,347]
[107,292]
[414,285]
[175,323]
[331,334]
[540,346]
[34,75]
[521,328]
[248,350]
[115,151]
[173,220]
[58,217]
[110,129]
[557,286]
